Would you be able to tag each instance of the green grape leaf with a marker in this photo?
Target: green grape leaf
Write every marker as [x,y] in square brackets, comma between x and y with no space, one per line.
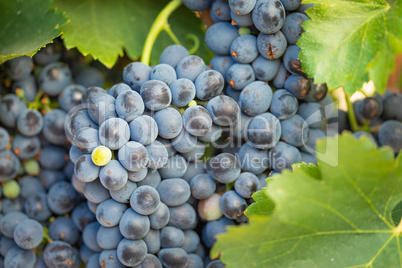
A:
[27,25]
[310,169]
[343,220]
[347,43]
[263,206]
[105,29]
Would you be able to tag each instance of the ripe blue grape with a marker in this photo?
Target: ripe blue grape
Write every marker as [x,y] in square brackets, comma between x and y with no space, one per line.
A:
[252,159]
[265,69]
[284,105]
[157,154]
[246,184]
[25,147]
[390,134]
[242,7]
[163,72]
[184,142]
[145,200]
[197,120]
[232,205]
[109,258]
[59,254]
[221,63]
[240,75]
[291,60]
[195,154]
[11,107]
[242,20]
[156,95]
[28,86]
[131,252]
[115,90]
[292,29]
[82,216]
[143,129]
[268,16]
[54,77]
[295,131]
[113,176]
[18,257]
[291,4]
[71,96]
[255,98]
[123,195]
[95,192]
[244,49]
[264,131]
[271,46]
[169,123]
[86,139]
[20,67]
[183,91]
[150,261]
[30,123]
[36,207]
[85,169]
[63,228]
[171,237]
[313,113]
[114,133]
[136,74]
[313,135]
[173,257]
[190,67]
[224,110]
[129,105]
[133,225]
[224,168]
[221,10]
[202,186]
[283,156]
[108,237]
[174,192]
[109,212]
[52,157]
[299,86]
[153,241]
[220,36]
[133,156]
[61,197]
[183,217]
[9,221]
[173,54]
[53,127]
[160,217]
[209,84]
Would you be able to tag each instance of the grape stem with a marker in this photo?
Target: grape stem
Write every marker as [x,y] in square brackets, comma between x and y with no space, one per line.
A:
[160,23]
[351,113]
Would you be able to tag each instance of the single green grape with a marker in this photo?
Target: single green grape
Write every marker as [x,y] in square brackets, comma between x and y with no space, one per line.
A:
[32,167]
[11,189]
[192,103]
[101,155]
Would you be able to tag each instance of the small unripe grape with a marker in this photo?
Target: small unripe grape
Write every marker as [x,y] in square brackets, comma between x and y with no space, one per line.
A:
[11,189]
[101,155]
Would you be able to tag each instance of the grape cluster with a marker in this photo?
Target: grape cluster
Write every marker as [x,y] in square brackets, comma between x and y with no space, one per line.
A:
[379,117]
[42,212]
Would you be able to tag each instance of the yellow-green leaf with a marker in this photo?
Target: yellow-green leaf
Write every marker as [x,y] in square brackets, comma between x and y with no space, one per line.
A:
[347,43]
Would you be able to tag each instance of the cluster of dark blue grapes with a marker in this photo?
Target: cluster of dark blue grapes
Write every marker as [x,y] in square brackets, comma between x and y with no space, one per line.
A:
[43,214]
[379,116]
